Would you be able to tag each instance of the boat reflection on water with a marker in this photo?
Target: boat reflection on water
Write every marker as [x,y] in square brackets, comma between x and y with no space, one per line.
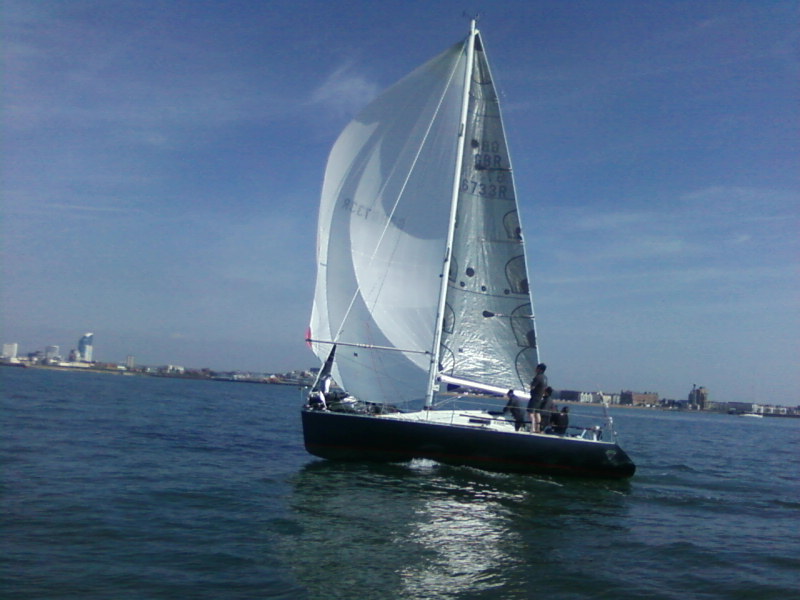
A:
[422,530]
[469,543]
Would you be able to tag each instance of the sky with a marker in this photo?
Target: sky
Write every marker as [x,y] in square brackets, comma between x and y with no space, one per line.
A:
[162,164]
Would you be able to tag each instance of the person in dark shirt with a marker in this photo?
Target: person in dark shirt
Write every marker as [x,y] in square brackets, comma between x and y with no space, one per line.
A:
[515,406]
[538,387]
[548,409]
[560,421]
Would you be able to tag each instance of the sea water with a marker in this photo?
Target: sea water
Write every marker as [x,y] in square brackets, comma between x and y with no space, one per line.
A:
[140,487]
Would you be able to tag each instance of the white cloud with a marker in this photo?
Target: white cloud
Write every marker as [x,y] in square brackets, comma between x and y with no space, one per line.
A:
[345,91]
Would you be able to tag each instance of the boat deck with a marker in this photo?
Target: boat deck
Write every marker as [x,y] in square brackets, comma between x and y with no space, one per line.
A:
[481,419]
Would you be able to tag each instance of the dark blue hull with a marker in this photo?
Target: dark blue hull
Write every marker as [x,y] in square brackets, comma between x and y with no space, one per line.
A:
[357,437]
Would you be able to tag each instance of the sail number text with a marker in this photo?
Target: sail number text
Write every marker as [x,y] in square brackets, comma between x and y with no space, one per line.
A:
[489,178]
[495,187]
[356,208]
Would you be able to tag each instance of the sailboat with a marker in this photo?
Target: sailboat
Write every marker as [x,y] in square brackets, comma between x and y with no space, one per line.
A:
[422,287]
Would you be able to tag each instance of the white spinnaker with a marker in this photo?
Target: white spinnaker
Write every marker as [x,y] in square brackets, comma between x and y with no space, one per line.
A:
[382,230]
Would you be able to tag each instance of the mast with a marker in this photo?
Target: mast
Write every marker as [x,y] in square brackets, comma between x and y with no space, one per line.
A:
[437,335]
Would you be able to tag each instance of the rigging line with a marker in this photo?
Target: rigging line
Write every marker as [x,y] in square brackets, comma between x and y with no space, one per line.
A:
[402,190]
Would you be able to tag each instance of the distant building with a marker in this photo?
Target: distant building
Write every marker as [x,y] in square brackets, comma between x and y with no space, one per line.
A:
[85,347]
[10,350]
[569,395]
[698,397]
[51,354]
[586,397]
[601,398]
[741,407]
[638,399]
[130,362]
[768,409]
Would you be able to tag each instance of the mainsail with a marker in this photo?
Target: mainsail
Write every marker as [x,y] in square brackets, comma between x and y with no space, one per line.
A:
[489,334]
[383,232]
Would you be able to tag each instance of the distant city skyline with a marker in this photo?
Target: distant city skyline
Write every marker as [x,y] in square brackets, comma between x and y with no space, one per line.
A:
[698,398]
[163,164]
[130,362]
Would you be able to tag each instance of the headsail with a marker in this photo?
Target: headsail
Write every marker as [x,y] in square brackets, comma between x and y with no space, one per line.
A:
[325,373]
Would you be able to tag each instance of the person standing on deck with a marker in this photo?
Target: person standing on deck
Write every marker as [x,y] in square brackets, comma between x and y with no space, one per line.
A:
[515,406]
[548,408]
[538,387]
[561,421]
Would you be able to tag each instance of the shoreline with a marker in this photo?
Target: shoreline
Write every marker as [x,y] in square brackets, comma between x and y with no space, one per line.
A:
[201,376]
